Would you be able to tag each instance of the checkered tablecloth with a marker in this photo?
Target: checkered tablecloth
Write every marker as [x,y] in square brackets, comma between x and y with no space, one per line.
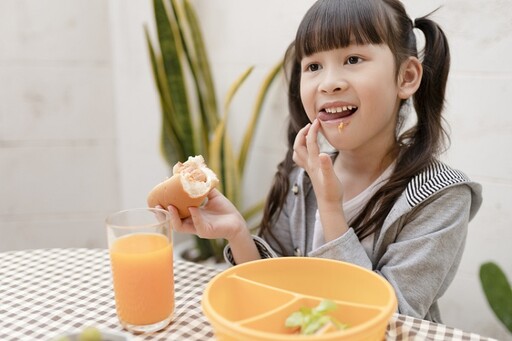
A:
[44,293]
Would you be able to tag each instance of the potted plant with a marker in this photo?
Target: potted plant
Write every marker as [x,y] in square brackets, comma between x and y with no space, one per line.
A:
[192,122]
[498,291]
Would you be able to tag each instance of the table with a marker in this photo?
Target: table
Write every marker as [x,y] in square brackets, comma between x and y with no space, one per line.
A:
[46,292]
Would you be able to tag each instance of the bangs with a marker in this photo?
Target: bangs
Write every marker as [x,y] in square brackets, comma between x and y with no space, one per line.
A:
[333,24]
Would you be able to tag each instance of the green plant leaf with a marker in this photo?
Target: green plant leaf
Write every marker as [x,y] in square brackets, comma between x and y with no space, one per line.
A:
[170,146]
[215,149]
[230,172]
[498,292]
[171,49]
[251,127]
[201,68]
[252,211]
[221,158]
[234,88]
[191,123]
[206,115]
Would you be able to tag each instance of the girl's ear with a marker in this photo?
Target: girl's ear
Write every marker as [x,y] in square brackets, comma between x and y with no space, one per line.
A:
[409,78]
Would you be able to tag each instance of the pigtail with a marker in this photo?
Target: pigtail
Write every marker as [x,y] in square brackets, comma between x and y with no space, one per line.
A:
[298,119]
[429,100]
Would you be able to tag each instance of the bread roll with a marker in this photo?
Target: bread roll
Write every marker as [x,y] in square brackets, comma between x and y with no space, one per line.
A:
[187,187]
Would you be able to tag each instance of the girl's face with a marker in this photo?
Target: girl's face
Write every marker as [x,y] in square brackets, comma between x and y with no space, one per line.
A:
[356,86]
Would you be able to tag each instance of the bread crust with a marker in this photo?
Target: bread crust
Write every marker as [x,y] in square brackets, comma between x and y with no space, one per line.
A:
[182,190]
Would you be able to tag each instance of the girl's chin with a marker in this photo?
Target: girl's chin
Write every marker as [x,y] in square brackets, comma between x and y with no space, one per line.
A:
[338,125]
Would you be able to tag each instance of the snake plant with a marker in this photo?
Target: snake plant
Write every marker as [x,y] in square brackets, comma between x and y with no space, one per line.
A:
[192,121]
[498,292]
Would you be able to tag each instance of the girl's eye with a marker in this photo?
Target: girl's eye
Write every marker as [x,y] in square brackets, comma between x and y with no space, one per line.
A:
[353,60]
[313,67]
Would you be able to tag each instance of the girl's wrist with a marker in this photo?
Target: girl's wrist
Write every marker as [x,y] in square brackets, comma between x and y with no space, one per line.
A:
[243,247]
[333,221]
[330,207]
[240,233]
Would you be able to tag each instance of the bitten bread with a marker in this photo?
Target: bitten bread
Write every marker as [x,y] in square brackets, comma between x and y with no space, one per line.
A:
[189,186]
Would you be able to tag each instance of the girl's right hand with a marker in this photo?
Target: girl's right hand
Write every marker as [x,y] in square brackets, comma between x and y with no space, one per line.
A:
[218,218]
[328,188]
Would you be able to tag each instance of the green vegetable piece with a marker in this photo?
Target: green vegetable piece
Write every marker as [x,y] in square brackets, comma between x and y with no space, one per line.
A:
[325,306]
[90,334]
[296,319]
[310,320]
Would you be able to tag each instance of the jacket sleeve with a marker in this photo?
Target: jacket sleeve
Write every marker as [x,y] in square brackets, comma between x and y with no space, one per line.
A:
[422,250]
[426,254]
[264,250]
[346,248]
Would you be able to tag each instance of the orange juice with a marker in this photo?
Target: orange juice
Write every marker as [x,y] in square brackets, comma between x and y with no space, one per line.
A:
[142,271]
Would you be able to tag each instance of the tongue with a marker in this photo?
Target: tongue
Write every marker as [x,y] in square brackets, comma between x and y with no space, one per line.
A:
[324,116]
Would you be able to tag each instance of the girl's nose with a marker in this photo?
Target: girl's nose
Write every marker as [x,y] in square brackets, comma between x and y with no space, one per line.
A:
[333,82]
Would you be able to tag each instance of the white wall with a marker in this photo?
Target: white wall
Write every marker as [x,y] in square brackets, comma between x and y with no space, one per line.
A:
[479,98]
[58,172]
[79,118]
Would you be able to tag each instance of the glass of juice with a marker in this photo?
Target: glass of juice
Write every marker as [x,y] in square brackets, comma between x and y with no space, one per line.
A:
[141,256]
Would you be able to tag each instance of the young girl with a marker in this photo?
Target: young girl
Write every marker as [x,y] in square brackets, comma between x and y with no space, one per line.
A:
[382,199]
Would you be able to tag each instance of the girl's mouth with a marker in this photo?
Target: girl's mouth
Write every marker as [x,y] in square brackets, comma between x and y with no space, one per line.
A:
[336,113]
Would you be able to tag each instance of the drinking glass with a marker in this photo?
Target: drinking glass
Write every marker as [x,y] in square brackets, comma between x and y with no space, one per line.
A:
[141,256]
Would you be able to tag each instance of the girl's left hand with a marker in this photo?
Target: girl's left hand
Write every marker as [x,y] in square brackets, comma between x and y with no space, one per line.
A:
[306,154]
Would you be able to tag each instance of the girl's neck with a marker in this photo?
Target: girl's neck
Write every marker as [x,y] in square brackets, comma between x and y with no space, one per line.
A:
[357,171]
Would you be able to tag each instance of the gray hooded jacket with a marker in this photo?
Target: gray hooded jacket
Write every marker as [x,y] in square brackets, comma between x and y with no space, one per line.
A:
[418,249]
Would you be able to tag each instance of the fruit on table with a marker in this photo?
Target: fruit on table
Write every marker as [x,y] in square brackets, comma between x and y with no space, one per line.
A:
[90,334]
[87,334]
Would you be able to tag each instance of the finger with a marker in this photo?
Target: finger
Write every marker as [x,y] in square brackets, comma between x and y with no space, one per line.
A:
[300,139]
[198,221]
[175,218]
[177,224]
[299,146]
[330,179]
[160,213]
[325,164]
[214,193]
[312,139]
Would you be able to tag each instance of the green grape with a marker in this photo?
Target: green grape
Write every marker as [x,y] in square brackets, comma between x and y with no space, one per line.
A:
[62,338]
[90,334]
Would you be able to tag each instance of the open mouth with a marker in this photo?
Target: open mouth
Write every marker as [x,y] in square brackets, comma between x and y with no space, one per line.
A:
[336,113]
